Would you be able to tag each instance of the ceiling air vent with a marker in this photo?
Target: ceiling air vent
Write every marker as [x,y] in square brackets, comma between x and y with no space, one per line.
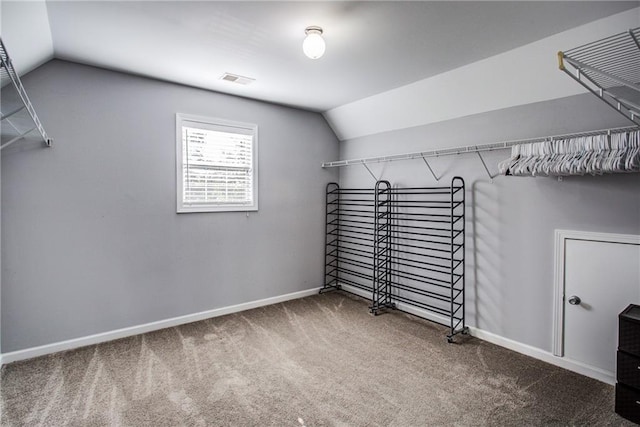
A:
[234,78]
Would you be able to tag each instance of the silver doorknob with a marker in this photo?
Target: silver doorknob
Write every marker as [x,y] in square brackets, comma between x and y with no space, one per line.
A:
[575,300]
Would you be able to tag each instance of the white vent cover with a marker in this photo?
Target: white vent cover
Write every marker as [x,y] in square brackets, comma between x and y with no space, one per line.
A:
[234,78]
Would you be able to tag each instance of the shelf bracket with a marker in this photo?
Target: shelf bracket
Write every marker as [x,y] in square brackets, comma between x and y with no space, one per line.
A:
[370,173]
[485,165]
[430,170]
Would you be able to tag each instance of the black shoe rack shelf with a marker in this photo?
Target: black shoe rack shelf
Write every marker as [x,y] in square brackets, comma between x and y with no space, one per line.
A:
[404,247]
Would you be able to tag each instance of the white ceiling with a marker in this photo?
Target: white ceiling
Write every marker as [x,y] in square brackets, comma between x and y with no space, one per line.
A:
[372,47]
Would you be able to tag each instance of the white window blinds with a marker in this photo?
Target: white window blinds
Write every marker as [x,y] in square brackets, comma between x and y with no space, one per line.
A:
[218,165]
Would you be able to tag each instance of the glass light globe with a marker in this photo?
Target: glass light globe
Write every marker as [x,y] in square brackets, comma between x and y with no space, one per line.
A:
[313,45]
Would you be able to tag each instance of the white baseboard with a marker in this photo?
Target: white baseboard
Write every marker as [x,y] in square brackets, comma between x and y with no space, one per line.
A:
[42,350]
[545,356]
[536,353]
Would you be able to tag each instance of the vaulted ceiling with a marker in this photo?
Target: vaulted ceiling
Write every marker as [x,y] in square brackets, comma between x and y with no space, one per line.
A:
[372,46]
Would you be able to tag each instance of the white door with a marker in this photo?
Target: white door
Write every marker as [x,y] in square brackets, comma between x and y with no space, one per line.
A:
[601,279]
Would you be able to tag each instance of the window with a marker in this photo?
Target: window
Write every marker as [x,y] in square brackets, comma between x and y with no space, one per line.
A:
[217,167]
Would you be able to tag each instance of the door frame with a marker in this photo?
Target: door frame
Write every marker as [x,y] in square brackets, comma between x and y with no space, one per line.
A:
[561,237]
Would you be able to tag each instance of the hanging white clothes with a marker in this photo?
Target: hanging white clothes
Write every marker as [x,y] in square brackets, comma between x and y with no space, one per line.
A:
[595,155]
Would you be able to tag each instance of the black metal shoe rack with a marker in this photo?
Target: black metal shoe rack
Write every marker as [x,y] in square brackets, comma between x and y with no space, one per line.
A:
[404,246]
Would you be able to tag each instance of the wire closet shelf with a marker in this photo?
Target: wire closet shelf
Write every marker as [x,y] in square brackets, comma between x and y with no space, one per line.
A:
[477,149]
[401,247]
[17,114]
[610,69]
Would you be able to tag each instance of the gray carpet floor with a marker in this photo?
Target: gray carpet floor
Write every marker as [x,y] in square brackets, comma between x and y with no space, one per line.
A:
[317,361]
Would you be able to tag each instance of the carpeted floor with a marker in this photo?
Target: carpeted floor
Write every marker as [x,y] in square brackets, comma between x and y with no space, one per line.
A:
[317,361]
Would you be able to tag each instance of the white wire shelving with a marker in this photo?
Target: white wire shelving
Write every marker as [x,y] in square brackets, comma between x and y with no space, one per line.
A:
[18,118]
[469,149]
[610,69]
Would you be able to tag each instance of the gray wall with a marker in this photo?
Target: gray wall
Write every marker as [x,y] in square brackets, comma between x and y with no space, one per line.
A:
[511,220]
[91,240]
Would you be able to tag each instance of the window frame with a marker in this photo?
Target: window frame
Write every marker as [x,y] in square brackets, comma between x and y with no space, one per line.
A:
[252,129]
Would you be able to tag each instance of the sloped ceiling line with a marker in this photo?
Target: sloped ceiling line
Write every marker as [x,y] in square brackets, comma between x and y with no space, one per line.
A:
[524,75]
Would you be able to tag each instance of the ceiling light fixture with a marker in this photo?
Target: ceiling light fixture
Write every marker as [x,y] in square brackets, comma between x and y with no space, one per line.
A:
[313,45]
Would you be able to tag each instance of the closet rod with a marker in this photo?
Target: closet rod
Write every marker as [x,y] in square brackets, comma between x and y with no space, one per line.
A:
[471,148]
